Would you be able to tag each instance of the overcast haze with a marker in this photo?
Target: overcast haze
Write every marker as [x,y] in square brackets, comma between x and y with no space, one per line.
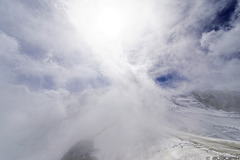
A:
[73,69]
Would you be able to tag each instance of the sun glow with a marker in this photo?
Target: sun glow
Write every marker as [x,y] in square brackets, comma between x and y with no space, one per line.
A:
[102,22]
[110,22]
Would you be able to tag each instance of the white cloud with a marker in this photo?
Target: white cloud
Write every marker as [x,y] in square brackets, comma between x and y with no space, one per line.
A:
[64,80]
[222,42]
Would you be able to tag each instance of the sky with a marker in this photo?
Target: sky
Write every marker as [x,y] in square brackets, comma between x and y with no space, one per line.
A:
[69,69]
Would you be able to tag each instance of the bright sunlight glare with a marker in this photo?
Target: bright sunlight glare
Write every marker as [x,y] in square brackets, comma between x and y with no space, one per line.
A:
[106,21]
[110,22]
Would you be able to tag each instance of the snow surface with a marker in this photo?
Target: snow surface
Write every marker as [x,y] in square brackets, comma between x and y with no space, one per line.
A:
[199,128]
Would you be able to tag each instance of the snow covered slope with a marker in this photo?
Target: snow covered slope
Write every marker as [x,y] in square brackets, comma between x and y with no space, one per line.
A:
[225,100]
[200,125]
[207,113]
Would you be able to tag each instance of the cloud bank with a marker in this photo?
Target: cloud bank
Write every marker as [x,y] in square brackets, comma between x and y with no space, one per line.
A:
[64,79]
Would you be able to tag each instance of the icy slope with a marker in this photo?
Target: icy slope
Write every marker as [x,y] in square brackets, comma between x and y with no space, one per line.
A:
[180,147]
[225,100]
[193,113]
[189,147]
[199,126]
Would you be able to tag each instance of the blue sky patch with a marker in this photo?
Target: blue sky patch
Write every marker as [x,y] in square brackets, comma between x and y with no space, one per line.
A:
[224,16]
[169,80]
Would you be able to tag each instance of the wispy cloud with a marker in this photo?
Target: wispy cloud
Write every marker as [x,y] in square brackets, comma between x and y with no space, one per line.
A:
[63,78]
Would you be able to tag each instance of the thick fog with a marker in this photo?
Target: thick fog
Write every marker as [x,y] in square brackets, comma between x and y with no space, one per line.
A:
[103,70]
